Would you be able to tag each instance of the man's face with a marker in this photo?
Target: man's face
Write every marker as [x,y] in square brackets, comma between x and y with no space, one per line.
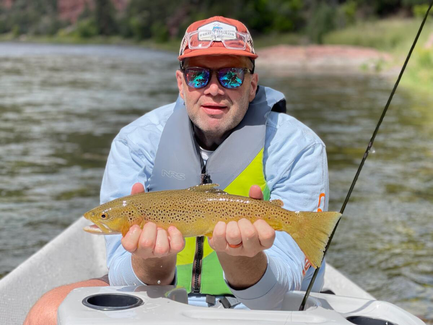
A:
[215,110]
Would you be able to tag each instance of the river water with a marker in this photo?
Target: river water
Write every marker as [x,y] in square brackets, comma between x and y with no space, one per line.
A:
[61,105]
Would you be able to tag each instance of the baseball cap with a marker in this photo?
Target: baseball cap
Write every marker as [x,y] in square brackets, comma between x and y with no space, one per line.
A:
[217,36]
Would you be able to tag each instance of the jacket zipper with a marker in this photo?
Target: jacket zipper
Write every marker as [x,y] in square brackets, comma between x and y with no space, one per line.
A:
[198,257]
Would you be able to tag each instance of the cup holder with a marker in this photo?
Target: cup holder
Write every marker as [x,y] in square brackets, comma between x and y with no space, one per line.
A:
[112,301]
[362,320]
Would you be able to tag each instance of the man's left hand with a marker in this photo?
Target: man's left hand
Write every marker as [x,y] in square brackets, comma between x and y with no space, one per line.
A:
[243,238]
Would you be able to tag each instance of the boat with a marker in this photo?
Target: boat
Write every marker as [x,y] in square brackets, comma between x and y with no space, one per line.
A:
[75,255]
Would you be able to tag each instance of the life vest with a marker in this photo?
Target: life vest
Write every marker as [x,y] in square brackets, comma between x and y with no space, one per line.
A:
[236,165]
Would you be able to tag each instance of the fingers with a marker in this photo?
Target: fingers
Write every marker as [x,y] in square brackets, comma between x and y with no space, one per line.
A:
[233,234]
[250,238]
[130,241]
[218,241]
[162,247]
[265,233]
[177,242]
[137,188]
[242,238]
[152,241]
[256,192]
[147,241]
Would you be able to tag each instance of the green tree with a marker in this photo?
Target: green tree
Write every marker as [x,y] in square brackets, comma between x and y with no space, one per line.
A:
[30,17]
[105,18]
[322,20]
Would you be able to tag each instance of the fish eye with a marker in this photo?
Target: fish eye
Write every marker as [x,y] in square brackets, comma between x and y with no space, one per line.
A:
[103,216]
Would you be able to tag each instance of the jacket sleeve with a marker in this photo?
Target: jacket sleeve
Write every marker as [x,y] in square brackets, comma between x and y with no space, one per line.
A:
[124,168]
[300,182]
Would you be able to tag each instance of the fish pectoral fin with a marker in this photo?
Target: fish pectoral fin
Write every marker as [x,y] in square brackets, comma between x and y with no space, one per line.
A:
[207,188]
[277,202]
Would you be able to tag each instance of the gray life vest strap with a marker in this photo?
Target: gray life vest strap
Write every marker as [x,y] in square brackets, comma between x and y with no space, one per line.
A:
[178,162]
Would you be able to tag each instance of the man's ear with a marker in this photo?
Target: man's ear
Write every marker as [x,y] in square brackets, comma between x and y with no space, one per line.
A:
[253,88]
[179,79]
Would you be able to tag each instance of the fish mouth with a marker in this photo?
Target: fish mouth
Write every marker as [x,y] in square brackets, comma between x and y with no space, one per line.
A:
[98,229]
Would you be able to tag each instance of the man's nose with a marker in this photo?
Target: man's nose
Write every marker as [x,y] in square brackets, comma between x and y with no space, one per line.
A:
[214,88]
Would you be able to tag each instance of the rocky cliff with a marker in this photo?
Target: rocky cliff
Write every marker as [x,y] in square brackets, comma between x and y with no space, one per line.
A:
[6,3]
[71,9]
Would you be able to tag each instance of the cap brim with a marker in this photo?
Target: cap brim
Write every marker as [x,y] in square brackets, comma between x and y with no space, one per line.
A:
[216,51]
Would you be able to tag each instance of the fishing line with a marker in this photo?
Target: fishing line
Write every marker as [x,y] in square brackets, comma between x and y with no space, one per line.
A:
[364,158]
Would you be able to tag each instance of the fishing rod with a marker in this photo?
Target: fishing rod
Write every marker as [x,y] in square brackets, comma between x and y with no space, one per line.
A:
[364,158]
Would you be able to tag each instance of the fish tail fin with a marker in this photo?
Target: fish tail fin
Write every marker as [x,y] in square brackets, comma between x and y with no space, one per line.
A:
[312,231]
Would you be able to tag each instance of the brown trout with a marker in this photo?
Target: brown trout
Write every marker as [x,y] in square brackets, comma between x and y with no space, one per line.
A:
[195,212]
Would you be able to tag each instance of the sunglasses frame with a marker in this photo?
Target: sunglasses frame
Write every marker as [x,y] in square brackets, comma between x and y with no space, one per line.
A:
[211,71]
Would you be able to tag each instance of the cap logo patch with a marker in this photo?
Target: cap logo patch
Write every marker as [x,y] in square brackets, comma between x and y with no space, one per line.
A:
[216,31]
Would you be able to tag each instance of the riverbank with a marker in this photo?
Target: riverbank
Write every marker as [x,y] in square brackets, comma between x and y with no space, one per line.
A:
[395,36]
[319,59]
[373,47]
[280,58]
[279,54]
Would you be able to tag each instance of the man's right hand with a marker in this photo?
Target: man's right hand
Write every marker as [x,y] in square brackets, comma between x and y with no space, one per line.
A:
[153,249]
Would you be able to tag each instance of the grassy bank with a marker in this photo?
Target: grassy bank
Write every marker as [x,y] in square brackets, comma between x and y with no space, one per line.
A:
[395,36]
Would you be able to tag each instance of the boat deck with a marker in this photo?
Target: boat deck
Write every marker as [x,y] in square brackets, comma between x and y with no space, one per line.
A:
[75,255]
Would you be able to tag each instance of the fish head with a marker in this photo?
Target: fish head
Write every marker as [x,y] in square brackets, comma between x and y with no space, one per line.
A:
[110,220]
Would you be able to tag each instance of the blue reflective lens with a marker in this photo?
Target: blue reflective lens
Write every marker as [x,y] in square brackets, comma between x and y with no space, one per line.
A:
[230,78]
[197,77]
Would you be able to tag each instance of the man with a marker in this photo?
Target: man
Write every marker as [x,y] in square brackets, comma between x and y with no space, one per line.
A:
[220,130]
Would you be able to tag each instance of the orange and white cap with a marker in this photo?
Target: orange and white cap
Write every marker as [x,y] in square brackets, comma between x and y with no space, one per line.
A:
[217,36]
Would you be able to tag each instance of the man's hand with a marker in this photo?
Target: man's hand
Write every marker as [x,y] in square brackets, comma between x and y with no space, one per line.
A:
[243,238]
[153,249]
[239,246]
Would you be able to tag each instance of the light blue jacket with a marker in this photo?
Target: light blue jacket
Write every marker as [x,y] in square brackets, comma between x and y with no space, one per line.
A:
[296,172]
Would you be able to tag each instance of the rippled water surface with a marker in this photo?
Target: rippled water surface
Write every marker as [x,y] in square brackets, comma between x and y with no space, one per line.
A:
[60,107]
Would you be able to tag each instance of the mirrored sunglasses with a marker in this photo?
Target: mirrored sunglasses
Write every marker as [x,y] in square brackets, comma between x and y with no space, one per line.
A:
[230,78]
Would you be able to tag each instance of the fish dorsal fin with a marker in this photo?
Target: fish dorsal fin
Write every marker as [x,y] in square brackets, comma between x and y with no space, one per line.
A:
[277,202]
[207,188]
